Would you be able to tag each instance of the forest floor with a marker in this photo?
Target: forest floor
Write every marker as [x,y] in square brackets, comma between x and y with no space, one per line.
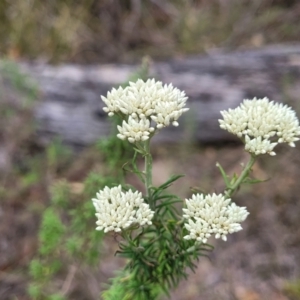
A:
[259,263]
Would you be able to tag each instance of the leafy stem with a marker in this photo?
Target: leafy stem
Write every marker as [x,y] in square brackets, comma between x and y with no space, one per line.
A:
[232,187]
[148,169]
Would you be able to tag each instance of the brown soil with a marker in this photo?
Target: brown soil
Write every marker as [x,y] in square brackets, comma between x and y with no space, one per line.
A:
[254,264]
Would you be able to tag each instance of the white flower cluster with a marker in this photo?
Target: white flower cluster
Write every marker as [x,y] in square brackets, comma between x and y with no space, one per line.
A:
[212,215]
[144,102]
[117,210]
[263,124]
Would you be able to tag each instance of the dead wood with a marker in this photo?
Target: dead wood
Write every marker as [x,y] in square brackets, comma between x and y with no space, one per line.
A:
[71,105]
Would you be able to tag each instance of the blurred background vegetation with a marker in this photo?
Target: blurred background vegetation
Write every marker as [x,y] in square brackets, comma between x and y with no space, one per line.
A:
[88,31]
[44,189]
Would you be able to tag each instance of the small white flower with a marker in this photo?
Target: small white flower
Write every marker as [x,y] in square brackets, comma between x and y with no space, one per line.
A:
[212,215]
[140,101]
[135,130]
[116,210]
[144,215]
[112,105]
[263,124]
[259,146]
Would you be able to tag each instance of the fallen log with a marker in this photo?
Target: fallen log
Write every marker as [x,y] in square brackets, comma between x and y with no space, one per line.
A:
[71,106]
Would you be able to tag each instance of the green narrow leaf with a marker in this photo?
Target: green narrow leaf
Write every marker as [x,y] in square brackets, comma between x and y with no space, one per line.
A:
[224,175]
[253,181]
[169,181]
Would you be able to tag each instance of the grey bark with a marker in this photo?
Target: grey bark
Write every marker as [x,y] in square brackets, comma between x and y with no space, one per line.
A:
[71,105]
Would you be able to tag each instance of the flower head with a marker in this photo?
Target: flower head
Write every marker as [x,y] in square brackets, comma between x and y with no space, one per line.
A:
[212,215]
[142,102]
[263,124]
[135,130]
[117,210]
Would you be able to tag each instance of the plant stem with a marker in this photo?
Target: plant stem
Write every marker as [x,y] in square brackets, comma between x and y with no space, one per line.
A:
[231,189]
[148,169]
